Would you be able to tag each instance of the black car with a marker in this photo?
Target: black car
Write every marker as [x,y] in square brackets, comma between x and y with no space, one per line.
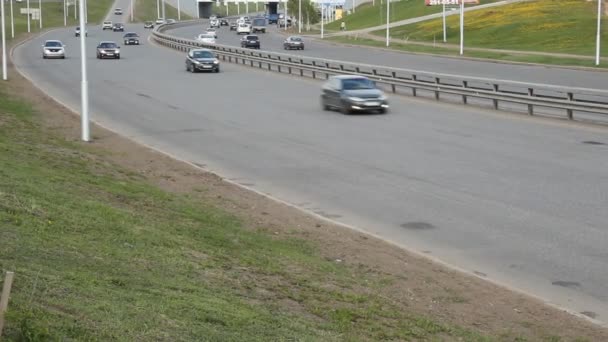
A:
[118,27]
[224,22]
[108,49]
[293,42]
[233,26]
[131,38]
[149,25]
[202,60]
[353,94]
[250,41]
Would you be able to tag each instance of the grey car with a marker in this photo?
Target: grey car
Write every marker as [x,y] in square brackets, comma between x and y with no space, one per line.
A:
[131,38]
[53,49]
[202,60]
[350,94]
[108,50]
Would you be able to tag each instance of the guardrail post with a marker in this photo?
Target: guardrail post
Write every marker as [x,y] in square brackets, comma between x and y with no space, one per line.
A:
[393,84]
[495,101]
[289,66]
[414,78]
[530,107]
[465,85]
[358,70]
[569,111]
[314,73]
[301,69]
[327,73]
[341,67]
[437,84]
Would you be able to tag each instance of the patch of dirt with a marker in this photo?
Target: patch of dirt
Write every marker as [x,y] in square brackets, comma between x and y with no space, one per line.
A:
[418,284]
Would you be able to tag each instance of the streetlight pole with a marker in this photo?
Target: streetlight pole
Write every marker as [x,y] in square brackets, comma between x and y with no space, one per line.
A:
[40,9]
[132,11]
[300,16]
[322,10]
[164,13]
[28,17]
[12,22]
[388,21]
[285,21]
[84,84]
[599,23]
[179,11]
[65,15]
[461,27]
[4,76]
[157,8]
[444,26]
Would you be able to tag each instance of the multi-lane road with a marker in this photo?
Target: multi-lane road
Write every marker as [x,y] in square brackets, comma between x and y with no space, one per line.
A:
[521,200]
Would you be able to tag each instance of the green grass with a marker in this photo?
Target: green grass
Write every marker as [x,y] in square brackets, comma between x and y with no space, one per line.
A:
[560,26]
[145,10]
[368,15]
[439,50]
[52,15]
[100,254]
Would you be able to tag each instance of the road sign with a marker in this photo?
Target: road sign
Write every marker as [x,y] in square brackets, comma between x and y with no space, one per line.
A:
[449,2]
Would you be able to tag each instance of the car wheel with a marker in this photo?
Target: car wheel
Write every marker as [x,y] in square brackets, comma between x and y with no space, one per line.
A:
[324,105]
[62,57]
[345,109]
[43,57]
[383,111]
[117,57]
[217,70]
[192,69]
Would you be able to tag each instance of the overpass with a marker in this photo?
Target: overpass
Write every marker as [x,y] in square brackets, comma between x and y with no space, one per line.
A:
[205,7]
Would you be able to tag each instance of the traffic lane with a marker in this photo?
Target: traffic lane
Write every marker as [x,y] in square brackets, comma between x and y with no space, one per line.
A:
[491,193]
[273,41]
[125,5]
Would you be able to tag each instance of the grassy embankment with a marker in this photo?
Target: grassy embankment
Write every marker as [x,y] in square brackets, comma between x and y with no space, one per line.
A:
[545,26]
[145,10]
[369,15]
[100,254]
[52,15]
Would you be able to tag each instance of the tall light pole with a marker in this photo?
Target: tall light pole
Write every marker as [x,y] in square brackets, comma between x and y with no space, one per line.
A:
[179,11]
[388,21]
[164,13]
[285,21]
[322,10]
[40,9]
[4,76]
[157,8]
[132,11]
[461,27]
[84,84]
[300,16]
[65,15]
[444,26]
[599,24]
[28,17]
[246,6]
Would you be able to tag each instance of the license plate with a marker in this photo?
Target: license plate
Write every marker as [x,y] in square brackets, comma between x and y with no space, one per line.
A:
[109,54]
[372,103]
[206,66]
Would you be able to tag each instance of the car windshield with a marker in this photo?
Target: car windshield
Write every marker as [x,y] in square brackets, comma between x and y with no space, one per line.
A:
[53,44]
[296,39]
[207,36]
[252,38]
[148,22]
[131,35]
[107,45]
[357,83]
[202,54]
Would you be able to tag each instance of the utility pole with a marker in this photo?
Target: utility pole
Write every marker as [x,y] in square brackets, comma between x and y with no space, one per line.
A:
[12,21]
[29,15]
[84,84]
[40,9]
[597,40]
[444,26]
[388,21]
[461,27]
[65,15]
[4,75]
[300,16]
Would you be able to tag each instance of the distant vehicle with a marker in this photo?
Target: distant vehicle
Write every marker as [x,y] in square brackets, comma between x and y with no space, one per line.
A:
[53,49]
[171,21]
[224,22]
[118,11]
[148,25]
[273,18]
[131,38]
[350,94]
[258,25]
[202,60]
[118,27]
[285,21]
[233,26]
[212,31]
[160,21]
[207,38]
[213,17]
[108,49]
[214,23]
[293,42]
[77,32]
[107,25]
[250,41]
[243,28]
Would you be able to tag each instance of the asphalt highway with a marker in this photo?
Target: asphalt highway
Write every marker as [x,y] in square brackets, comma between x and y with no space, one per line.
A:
[518,200]
[273,41]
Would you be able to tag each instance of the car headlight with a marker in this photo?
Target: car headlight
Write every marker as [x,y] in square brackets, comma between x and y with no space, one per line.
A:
[356,99]
[382,97]
[216,62]
[117,51]
[102,51]
[196,62]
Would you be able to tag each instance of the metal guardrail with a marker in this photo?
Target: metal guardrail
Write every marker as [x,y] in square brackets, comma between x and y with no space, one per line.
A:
[499,94]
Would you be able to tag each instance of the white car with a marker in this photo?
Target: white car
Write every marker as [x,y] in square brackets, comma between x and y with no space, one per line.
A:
[214,23]
[118,11]
[160,21]
[107,25]
[212,31]
[53,49]
[206,38]
[243,29]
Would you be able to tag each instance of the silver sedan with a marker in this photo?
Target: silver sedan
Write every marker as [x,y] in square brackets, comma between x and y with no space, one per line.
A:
[53,49]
